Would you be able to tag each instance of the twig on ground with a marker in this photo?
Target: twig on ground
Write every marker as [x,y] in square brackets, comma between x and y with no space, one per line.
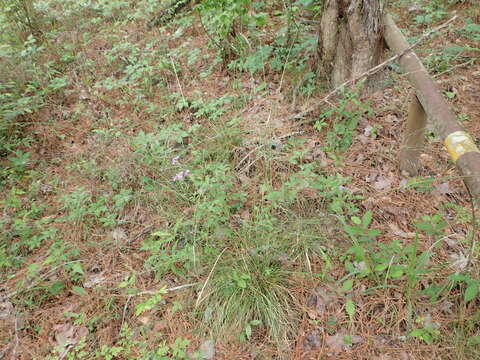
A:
[6,350]
[17,340]
[471,255]
[208,278]
[35,283]
[248,155]
[168,13]
[309,264]
[290,134]
[206,31]
[153,292]
[13,345]
[175,288]
[125,307]
[371,71]
[470,61]
[145,231]
[248,166]
[178,80]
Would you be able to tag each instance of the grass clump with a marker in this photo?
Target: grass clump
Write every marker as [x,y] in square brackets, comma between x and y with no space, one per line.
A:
[250,290]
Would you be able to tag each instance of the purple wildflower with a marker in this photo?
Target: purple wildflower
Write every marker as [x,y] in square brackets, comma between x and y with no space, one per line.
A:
[344,188]
[175,160]
[181,175]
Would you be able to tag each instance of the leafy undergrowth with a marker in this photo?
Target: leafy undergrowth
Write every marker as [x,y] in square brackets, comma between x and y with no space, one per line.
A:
[159,202]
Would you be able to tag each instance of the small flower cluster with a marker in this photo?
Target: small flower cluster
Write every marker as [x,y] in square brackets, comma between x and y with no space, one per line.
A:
[175,160]
[182,174]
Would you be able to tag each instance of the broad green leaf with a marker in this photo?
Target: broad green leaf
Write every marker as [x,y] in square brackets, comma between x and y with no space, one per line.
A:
[381,267]
[150,303]
[350,308]
[248,331]
[418,333]
[161,234]
[356,220]
[79,290]
[471,292]
[367,218]
[396,271]
[77,268]
[347,285]
[473,340]
[57,287]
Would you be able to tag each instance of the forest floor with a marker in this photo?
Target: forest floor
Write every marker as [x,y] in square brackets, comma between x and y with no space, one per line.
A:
[165,202]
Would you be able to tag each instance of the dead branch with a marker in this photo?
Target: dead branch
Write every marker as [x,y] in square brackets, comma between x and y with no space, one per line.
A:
[168,13]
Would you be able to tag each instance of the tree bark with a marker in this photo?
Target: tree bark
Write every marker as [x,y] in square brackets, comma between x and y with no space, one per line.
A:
[350,39]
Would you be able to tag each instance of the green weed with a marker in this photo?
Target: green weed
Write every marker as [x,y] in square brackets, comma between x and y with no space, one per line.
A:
[344,120]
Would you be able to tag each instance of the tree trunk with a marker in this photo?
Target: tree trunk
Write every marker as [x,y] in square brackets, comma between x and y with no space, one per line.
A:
[350,39]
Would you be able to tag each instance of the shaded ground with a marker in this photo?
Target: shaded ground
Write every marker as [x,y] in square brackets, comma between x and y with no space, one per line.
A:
[160,167]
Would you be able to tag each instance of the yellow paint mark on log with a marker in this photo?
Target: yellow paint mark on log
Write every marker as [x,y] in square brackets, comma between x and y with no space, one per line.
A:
[459,143]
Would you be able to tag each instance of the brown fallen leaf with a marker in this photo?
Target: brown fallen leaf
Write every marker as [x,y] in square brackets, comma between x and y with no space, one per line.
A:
[442,189]
[245,215]
[398,232]
[6,310]
[391,119]
[144,320]
[207,350]
[313,341]
[368,131]
[336,343]
[119,234]
[67,335]
[383,183]
[371,177]
[459,261]
[93,280]
[317,302]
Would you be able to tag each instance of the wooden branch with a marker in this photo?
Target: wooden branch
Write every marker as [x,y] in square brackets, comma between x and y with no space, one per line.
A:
[460,145]
[414,138]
